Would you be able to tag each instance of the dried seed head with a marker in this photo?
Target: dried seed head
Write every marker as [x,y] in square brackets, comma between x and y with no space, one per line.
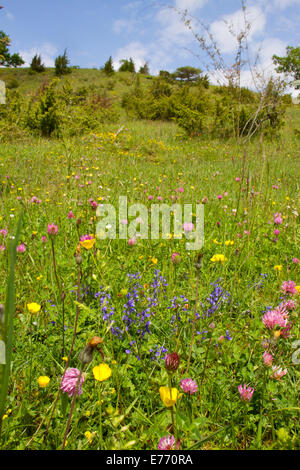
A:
[198,264]
[78,257]
[95,341]
[86,355]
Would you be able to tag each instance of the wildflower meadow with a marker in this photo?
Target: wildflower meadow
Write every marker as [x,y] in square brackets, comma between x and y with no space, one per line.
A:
[138,343]
[149,258]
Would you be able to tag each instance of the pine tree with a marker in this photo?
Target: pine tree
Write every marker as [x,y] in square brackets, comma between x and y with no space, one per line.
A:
[36,64]
[108,67]
[127,66]
[144,69]
[61,64]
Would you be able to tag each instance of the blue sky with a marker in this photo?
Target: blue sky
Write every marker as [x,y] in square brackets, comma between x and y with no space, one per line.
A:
[147,30]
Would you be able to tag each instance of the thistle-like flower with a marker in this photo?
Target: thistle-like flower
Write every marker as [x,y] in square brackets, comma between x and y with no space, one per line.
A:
[172,361]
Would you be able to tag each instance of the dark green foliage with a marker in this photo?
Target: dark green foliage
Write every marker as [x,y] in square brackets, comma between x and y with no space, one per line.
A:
[127,66]
[187,74]
[108,67]
[145,69]
[43,115]
[61,64]
[222,112]
[37,64]
[289,64]
[166,75]
[7,59]
[56,110]
[12,83]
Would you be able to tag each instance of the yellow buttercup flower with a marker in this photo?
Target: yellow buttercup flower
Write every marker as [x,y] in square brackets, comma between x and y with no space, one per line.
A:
[229,242]
[169,398]
[218,258]
[297,289]
[88,244]
[33,307]
[43,381]
[102,372]
[278,267]
[90,435]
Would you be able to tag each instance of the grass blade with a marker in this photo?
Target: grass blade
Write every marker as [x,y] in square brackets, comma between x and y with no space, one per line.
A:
[8,321]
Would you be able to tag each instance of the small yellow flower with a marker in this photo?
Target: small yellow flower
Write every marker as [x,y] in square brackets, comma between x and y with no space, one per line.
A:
[88,413]
[218,258]
[43,381]
[88,435]
[88,244]
[64,358]
[278,267]
[169,399]
[33,307]
[154,260]
[114,362]
[109,410]
[297,289]
[102,372]
[282,434]
[229,242]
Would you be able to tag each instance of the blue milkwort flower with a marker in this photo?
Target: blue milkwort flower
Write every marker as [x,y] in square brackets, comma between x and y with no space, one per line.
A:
[180,306]
[259,284]
[228,336]
[216,298]
[105,305]
[158,352]
[202,333]
[136,312]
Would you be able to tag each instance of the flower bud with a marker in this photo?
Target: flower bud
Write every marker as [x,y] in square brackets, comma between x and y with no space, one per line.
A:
[86,355]
[78,258]
[172,361]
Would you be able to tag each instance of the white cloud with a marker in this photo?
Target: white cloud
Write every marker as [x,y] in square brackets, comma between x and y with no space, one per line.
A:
[47,51]
[137,51]
[172,30]
[122,25]
[257,74]
[224,31]
[282,4]
[189,5]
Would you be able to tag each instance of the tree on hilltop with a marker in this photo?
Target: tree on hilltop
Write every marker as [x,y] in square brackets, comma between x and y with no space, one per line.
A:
[61,64]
